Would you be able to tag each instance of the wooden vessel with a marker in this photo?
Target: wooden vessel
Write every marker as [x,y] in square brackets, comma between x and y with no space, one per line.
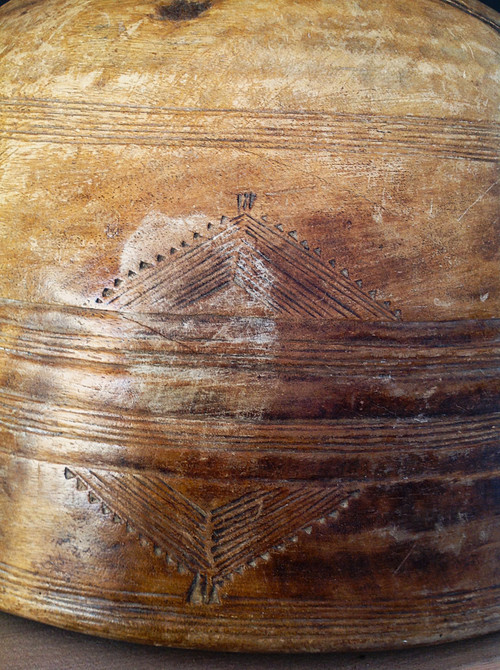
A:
[248,320]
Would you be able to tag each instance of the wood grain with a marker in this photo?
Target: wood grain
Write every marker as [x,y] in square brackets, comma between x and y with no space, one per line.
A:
[249,321]
[26,644]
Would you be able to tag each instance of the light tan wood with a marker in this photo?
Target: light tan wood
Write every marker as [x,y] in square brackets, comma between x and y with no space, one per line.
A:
[249,301]
[352,123]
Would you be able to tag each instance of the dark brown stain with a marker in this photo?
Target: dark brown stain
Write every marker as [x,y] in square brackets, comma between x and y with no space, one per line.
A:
[182,10]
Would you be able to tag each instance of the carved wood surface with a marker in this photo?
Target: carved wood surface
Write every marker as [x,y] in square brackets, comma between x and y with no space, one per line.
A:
[249,324]
[27,644]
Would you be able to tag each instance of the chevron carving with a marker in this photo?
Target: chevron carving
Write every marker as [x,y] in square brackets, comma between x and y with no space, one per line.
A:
[213,545]
[270,268]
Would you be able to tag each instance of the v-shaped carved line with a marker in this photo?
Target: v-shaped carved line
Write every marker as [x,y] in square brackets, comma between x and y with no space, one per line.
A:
[212,545]
[266,264]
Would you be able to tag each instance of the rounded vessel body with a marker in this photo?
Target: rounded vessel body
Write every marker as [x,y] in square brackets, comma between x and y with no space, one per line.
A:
[249,321]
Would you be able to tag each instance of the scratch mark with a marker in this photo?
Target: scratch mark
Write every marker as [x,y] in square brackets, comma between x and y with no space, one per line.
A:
[478,199]
[405,558]
[157,332]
